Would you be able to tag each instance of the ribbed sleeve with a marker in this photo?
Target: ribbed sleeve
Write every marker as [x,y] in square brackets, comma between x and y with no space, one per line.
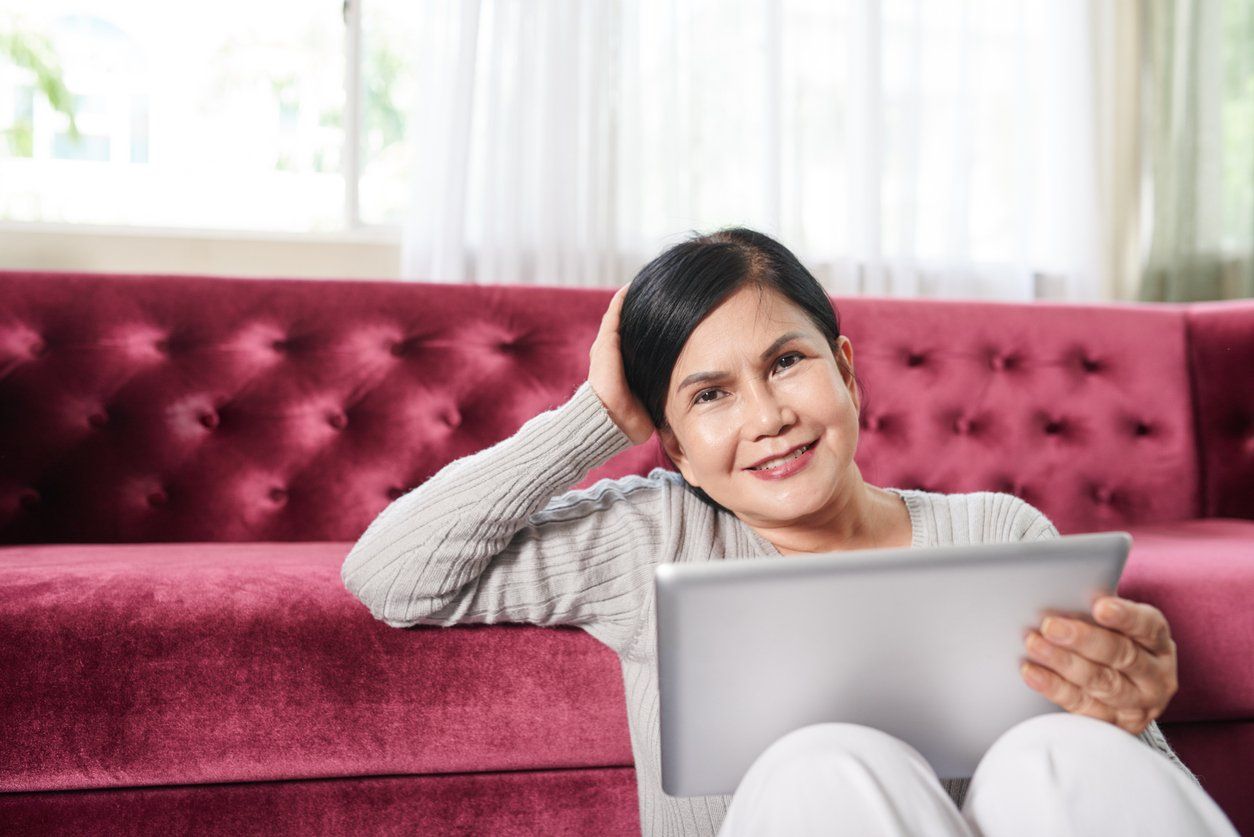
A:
[487,538]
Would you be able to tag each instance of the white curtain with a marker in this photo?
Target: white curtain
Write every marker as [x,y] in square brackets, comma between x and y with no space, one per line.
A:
[900,148]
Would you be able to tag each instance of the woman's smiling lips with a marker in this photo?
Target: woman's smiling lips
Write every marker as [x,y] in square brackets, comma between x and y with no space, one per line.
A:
[787,469]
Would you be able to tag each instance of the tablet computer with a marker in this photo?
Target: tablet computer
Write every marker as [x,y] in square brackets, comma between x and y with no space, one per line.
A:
[922,643]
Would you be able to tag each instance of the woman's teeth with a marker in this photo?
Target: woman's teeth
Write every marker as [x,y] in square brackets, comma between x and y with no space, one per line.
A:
[775,463]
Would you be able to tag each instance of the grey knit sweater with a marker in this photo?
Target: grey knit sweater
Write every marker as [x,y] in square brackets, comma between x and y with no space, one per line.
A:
[497,536]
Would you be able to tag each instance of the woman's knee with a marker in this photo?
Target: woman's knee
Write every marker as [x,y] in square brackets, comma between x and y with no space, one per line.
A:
[841,777]
[834,737]
[1064,772]
[1059,747]
[1063,734]
[833,743]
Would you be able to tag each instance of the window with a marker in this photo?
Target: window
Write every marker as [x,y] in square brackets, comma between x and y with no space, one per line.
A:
[226,115]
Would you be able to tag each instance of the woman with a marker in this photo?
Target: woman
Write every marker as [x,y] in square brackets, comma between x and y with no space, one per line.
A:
[730,350]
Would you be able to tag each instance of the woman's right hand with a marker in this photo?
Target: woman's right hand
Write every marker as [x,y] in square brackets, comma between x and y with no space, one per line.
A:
[609,381]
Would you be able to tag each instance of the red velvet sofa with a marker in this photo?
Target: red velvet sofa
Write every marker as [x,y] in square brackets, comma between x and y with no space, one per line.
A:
[185,462]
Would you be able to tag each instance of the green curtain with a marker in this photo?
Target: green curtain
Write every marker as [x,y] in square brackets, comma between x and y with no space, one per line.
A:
[1197,131]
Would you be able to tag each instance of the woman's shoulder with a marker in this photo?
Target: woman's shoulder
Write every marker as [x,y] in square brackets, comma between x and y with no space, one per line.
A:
[650,493]
[976,517]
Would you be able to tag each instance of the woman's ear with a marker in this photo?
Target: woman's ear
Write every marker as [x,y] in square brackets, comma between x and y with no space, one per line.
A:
[843,352]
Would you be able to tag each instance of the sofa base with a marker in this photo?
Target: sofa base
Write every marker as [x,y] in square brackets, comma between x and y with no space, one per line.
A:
[574,802]
[1221,755]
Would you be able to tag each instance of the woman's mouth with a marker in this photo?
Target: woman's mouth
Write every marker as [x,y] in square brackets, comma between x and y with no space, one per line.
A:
[785,465]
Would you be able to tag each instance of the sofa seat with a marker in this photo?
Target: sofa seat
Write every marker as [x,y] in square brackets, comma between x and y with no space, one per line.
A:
[157,664]
[162,664]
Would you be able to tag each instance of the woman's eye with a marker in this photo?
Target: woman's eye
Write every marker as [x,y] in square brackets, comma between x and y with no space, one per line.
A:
[700,400]
[797,355]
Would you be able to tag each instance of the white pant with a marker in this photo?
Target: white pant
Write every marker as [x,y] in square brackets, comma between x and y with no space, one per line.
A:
[1054,774]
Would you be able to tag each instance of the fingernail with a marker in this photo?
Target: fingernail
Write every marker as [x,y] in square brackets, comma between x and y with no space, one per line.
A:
[1056,629]
[1113,610]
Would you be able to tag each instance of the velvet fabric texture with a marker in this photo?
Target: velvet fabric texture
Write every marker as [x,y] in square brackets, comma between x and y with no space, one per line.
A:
[1221,343]
[554,803]
[160,409]
[185,461]
[156,664]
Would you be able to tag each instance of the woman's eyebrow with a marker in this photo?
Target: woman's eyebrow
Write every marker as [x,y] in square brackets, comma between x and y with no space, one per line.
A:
[698,377]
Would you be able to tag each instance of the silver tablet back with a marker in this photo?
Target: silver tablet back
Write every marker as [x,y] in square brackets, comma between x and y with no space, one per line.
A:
[924,644]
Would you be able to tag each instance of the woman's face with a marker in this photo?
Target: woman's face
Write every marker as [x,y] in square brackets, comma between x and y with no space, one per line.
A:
[774,384]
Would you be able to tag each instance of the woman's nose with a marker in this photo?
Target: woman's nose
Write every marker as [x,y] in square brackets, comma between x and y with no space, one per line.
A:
[766,413]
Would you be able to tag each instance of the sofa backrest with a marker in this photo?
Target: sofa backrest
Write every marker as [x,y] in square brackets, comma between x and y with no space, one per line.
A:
[180,408]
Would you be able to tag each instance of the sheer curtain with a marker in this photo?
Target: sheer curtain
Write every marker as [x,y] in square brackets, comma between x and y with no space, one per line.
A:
[903,148]
[1198,118]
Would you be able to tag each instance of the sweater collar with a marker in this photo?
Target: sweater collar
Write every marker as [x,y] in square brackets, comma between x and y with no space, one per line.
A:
[762,548]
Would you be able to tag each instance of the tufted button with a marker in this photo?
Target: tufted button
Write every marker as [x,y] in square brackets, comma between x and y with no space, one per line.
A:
[209,420]
[963,425]
[1090,364]
[158,498]
[278,494]
[1103,495]
[1000,363]
[279,345]
[1143,428]
[400,348]
[872,423]
[38,349]
[98,419]
[1054,426]
[162,345]
[29,499]
[452,417]
[338,420]
[395,492]
[915,359]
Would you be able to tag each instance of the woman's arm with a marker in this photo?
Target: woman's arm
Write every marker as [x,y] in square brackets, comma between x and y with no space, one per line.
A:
[486,540]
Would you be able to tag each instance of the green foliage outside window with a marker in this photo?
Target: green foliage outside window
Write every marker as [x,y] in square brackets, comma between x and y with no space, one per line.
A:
[35,53]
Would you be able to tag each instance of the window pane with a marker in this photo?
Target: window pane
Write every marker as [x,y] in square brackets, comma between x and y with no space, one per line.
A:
[213,115]
[389,78]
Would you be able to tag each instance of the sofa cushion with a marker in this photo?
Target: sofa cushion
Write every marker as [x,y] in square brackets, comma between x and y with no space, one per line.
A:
[1200,574]
[192,663]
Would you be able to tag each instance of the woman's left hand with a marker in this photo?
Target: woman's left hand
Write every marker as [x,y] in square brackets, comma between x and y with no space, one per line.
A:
[1122,670]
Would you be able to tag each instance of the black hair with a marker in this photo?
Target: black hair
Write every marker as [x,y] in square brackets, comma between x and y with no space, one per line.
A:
[674,292]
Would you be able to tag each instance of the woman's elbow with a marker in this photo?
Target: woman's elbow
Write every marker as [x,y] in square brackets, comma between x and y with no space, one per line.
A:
[379,588]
